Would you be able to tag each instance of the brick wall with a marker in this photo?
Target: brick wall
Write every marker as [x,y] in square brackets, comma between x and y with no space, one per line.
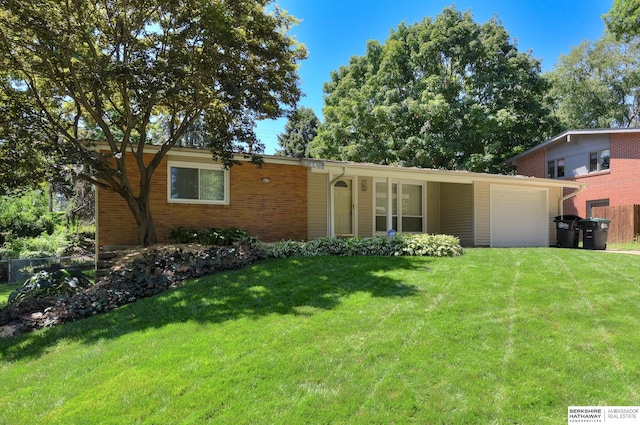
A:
[621,184]
[270,211]
[533,165]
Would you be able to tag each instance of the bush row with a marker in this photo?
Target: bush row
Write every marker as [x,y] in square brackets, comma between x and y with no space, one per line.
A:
[399,245]
[210,236]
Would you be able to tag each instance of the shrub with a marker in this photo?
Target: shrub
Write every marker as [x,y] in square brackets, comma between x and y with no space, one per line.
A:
[27,216]
[285,249]
[432,245]
[28,229]
[211,236]
[49,284]
[414,245]
[38,247]
[325,246]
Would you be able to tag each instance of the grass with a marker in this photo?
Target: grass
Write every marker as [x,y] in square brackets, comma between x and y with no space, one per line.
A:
[631,246]
[496,336]
[5,290]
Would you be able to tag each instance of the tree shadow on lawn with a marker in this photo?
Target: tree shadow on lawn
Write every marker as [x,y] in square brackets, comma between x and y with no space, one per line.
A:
[270,287]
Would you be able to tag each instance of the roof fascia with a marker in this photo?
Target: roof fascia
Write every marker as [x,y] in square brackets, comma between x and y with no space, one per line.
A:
[441,176]
[182,152]
[513,161]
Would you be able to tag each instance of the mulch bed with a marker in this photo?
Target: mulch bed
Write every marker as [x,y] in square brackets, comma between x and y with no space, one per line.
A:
[139,273]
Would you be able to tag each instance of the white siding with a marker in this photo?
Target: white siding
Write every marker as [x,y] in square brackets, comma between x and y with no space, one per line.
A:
[482,213]
[317,205]
[365,205]
[433,207]
[456,212]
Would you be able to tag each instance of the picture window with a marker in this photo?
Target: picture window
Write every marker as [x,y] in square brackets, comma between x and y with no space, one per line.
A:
[205,184]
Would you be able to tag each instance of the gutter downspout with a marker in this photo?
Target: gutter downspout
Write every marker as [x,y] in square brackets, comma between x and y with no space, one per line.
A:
[571,195]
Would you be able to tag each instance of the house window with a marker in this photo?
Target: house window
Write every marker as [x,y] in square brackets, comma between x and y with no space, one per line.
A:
[555,168]
[599,161]
[560,167]
[381,207]
[198,183]
[406,209]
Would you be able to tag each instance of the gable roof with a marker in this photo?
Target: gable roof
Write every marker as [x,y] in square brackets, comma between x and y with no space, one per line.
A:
[565,137]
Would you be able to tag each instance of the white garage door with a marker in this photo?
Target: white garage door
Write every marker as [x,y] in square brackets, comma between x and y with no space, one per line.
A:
[519,217]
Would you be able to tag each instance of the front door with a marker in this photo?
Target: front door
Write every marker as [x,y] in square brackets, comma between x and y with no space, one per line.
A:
[343,207]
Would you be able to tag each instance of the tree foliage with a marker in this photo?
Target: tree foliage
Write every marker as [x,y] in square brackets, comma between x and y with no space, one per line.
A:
[24,164]
[300,130]
[442,93]
[597,85]
[623,19]
[132,72]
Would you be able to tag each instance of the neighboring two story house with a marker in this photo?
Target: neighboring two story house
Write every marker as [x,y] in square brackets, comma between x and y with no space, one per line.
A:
[607,160]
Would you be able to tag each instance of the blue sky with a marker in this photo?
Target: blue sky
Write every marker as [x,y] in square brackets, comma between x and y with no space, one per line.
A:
[335,30]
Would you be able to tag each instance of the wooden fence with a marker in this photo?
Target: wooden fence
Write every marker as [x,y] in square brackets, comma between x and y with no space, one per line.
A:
[625,222]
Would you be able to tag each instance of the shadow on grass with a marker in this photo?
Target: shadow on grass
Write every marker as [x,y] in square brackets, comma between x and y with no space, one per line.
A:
[269,287]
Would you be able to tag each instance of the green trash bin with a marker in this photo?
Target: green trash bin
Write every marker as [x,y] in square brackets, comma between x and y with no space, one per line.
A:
[594,233]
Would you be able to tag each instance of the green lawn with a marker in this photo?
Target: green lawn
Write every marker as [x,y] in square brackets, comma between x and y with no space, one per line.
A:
[497,336]
[6,290]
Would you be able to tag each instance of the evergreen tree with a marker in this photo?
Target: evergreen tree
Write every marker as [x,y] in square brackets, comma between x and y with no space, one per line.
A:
[300,130]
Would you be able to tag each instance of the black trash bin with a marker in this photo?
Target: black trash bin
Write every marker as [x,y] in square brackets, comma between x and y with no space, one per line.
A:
[594,233]
[567,231]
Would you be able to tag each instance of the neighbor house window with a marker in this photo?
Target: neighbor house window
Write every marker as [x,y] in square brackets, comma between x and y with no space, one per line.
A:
[555,168]
[198,183]
[599,161]
[406,209]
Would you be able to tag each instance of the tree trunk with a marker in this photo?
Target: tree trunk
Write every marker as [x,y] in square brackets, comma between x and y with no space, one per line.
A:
[141,209]
[146,228]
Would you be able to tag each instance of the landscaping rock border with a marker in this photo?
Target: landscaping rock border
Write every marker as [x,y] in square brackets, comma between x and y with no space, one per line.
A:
[139,274]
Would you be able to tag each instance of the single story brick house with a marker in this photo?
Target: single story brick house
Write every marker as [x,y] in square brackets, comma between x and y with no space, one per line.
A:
[605,161]
[304,199]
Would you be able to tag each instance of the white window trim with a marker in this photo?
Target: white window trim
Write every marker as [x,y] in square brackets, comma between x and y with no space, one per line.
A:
[399,215]
[199,166]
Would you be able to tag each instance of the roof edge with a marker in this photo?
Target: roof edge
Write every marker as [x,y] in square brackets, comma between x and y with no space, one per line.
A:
[513,161]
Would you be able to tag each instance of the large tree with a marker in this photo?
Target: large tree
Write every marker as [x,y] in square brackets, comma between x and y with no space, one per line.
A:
[81,72]
[442,93]
[597,84]
[23,163]
[623,19]
[300,130]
